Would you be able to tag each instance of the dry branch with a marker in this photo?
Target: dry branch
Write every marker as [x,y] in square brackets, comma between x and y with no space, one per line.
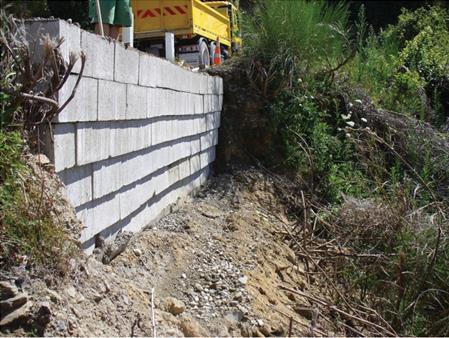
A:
[340,311]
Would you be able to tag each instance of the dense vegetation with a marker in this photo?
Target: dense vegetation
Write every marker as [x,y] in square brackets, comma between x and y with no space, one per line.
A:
[29,234]
[379,178]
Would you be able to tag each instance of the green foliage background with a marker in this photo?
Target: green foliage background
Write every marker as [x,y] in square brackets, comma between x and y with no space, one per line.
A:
[310,62]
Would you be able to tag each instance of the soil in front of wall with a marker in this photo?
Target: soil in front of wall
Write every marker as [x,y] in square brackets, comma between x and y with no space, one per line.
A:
[212,267]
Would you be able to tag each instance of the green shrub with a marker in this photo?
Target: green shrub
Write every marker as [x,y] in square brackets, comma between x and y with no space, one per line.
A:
[27,225]
[290,48]
[406,68]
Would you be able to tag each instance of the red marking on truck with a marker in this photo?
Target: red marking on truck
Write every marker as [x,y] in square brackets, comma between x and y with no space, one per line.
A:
[147,14]
[170,11]
[154,12]
[180,10]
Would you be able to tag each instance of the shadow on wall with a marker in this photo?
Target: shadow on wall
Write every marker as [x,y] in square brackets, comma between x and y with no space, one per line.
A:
[154,208]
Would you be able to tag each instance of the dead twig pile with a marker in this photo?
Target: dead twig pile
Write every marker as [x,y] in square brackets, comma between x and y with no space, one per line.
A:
[30,85]
[373,266]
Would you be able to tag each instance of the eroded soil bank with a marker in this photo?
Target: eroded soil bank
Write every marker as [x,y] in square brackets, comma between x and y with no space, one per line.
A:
[213,266]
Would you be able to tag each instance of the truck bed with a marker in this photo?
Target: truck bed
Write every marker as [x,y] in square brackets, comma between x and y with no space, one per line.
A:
[184,18]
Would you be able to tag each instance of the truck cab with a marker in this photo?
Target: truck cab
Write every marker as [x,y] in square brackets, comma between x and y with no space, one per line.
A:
[227,8]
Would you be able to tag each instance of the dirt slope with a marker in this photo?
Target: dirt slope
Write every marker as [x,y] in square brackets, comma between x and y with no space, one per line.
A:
[215,265]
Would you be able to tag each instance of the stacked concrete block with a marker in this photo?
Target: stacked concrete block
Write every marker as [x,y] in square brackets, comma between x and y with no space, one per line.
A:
[55,29]
[78,182]
[139,134]
[84,105]
[62,153]
[126,64]
[112,98]
[99,56]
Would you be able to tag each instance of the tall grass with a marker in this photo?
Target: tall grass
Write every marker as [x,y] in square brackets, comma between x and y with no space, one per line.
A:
[294,39]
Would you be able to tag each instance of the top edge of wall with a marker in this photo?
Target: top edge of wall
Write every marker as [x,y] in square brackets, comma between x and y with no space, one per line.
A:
[74,41]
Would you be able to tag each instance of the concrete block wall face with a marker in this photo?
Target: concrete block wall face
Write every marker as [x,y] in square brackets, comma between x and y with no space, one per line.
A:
[140,133]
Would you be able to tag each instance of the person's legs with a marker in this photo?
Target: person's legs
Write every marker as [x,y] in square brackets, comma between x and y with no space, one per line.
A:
[106,29]
[107,8]
[114,31]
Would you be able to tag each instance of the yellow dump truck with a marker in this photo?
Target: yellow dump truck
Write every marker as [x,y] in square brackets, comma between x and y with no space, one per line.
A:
[196,24]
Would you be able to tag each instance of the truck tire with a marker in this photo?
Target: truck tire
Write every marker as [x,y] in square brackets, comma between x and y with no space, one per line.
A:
[204,55]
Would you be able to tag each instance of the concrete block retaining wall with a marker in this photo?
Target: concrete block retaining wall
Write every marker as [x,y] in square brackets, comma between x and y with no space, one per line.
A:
[140,133]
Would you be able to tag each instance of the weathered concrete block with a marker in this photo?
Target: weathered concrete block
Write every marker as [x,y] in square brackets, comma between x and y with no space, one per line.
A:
[208,140]
[93,141]
[216,103]
[126,64]
[212,103]
[219,85]
[210,121]
[106,177]
[184,149]
[203,177]
[210,85]
[169,78]
[173,175]
[64,152]
[213,121]
[139,194]
[131,169]
[83,107]
[150,70]
[55,28]
[135,197]
[181,106]
[161,182]
[139,220]
[135,167]
[208,104]
[197,106]
[215,141]
[184,169]
[204,84]
[154,100]
[164,102]
[195,146]
[178,150]
[159,132]
[78,183]
[99,215]
[85,215]
[220,103]
[217,119]
[200,125]
[136,102]
[129,136]
[195,83]
[195,163]
[139,165]
[207,157]
[159,158]
[111,100]
[100,56]
[189,126]
[180,81]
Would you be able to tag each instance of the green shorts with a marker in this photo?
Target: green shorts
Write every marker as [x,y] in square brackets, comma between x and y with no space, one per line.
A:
[113,12]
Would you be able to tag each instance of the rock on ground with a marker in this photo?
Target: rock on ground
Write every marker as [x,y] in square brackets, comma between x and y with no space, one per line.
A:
[215,265]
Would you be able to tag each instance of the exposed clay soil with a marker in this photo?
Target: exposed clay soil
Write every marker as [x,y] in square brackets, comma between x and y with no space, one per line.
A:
[215,265]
